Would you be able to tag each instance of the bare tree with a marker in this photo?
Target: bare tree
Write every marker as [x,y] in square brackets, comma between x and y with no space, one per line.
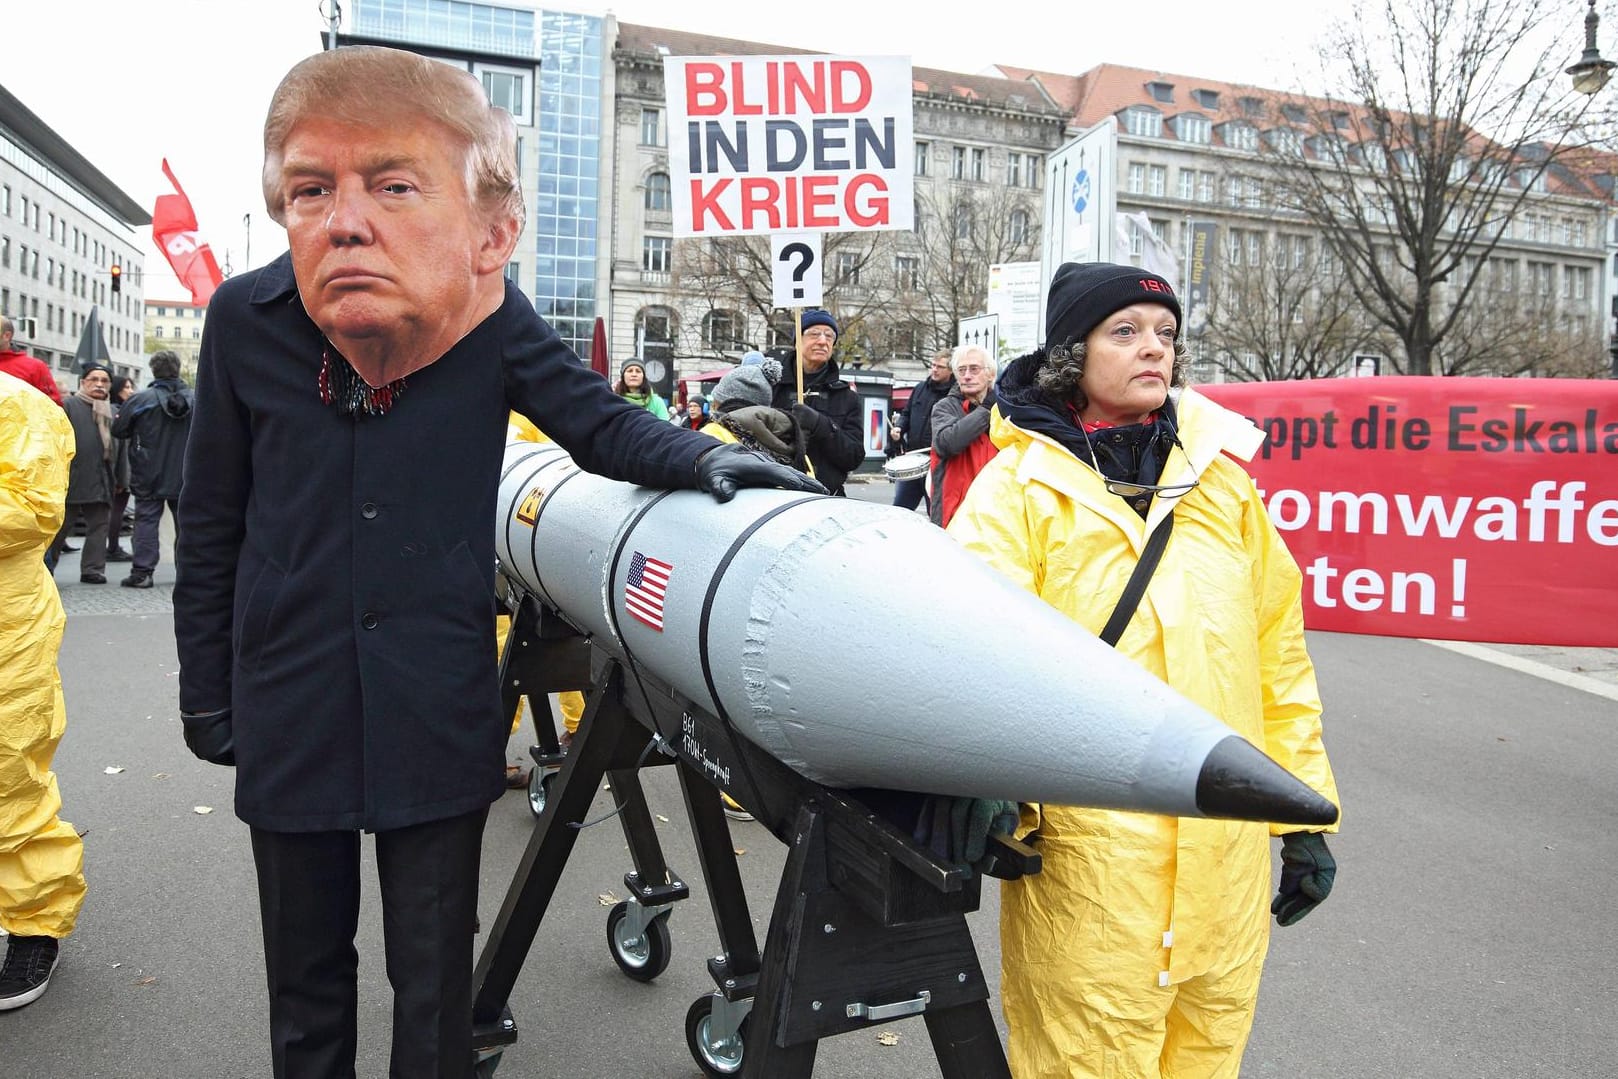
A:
[1287,314]
[1446,116]
[895,294]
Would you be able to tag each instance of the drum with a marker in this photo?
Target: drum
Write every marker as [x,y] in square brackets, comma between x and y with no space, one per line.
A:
[908,466]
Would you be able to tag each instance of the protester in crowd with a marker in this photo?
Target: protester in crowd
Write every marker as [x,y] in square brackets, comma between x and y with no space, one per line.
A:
[123,387]
[41,856]
[695,415]
[157,422]
[742,413]
[830,412]
[35,372]
[632,386]
[1137,949]
[911,428]
[334,601]
[90,482]
[960,425]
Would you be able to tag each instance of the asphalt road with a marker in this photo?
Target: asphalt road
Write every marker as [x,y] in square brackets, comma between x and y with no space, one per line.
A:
[1468,936]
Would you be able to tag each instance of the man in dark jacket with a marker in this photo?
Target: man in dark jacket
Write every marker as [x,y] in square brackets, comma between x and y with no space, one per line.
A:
[912,429]
[90,482]
[830,412]
[334,603]
[157,422]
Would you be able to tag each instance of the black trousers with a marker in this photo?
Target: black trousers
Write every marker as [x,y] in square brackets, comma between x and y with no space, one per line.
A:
[309,900]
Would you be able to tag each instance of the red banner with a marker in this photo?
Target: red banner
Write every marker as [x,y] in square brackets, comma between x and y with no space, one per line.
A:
[174,231]
[1457,508]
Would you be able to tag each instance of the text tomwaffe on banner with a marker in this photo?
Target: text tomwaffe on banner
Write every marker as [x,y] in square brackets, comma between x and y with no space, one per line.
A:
[1469,509]
[764,144]
[174,231]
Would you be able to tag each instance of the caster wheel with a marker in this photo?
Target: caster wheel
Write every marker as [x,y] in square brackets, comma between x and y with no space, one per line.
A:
[539,789]
[714,1058]
[641,957]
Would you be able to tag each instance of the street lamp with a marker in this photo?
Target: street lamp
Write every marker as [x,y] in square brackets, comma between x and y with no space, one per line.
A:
[1591,73]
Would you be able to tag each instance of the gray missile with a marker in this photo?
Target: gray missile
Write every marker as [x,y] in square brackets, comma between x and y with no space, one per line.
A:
[774,611]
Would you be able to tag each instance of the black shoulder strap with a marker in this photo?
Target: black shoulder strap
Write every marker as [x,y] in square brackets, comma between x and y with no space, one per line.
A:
[1136,588]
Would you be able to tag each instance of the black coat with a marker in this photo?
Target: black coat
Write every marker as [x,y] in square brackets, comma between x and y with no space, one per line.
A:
[335,575]
[836,436]
[89,477]
[156,421]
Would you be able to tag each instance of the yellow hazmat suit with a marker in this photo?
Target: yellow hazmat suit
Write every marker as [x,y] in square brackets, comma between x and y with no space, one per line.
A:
[41,856]
[520,428]
[1137,951]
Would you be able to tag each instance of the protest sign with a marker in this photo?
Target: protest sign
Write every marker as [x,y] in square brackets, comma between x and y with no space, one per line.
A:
[1456,508]
[763,144]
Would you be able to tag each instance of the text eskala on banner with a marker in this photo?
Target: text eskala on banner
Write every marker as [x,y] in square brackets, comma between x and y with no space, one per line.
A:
[805,143]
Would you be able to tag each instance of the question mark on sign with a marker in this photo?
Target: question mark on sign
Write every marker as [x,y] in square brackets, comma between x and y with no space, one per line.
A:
[805,256]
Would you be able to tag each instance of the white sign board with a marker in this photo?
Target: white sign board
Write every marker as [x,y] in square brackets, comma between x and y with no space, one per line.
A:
[1014,295]
[982,331]
[795,269]
[1080,197]
[761,144]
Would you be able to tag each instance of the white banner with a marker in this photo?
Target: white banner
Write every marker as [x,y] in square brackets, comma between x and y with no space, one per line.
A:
[795,271]
[762,144]
[1014,295]
[1080,196]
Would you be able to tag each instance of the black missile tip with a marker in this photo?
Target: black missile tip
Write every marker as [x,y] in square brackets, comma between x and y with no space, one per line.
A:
[1238,782]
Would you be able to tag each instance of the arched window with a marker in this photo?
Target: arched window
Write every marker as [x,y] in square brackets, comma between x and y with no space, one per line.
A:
[657,192]
[722,330]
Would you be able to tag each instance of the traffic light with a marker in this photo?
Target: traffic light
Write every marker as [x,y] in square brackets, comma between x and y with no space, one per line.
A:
[117,278]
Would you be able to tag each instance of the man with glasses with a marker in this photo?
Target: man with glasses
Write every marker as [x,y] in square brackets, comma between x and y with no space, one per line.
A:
[960,425]
[1138,948]
[830,412]
[912,428]
[90,483]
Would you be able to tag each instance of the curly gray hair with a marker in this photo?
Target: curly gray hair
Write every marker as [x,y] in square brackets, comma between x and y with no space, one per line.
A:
[1059,375]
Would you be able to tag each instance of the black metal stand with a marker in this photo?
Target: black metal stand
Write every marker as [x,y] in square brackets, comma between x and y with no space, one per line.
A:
[867,927]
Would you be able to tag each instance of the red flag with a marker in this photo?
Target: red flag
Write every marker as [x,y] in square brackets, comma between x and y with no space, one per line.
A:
[174,231]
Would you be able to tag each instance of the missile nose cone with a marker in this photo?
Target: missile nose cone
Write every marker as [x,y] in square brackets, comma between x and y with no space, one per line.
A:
[1239,782]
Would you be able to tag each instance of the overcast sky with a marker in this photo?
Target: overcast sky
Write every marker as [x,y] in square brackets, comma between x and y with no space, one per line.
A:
[129,82]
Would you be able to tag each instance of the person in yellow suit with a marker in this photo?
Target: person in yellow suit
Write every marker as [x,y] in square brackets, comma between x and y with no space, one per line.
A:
[571,702]
[41,855]
[1136,952]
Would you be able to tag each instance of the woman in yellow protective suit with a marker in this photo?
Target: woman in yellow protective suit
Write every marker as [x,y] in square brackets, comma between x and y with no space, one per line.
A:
[41,856]
[1136,952]
[571,702]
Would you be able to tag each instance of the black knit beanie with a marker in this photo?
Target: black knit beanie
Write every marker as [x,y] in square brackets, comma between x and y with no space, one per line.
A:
[1084,293]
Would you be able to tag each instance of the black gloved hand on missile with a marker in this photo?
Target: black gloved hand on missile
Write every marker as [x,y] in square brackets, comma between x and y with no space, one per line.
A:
[726,469]
[1307,873]
[209,736]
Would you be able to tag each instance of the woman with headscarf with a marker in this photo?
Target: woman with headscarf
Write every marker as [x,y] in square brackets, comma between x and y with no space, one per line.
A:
[1136,951]
[632,386]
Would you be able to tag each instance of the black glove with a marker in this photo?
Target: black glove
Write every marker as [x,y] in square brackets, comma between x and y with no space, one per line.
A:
[957,830]
[1307,872]
[208,736]
[807,418]
[724,470]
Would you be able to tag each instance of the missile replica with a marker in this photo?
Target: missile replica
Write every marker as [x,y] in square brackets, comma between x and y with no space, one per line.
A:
[774,612]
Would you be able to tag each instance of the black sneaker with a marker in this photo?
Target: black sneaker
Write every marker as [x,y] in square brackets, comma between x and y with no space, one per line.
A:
[137,580]
[116,555]
[29,963]
[92,578]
